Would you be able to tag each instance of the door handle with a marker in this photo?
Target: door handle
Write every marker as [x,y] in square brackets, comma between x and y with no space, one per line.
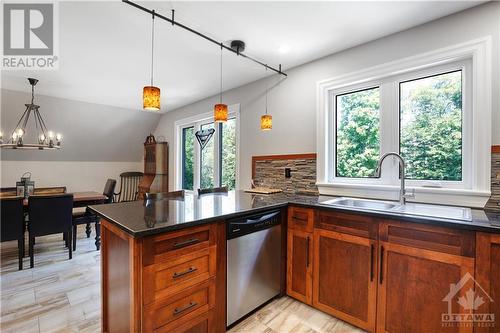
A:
[307,251]
[381,273]
[186,243]
[188,271]
[372,251]
[180,310]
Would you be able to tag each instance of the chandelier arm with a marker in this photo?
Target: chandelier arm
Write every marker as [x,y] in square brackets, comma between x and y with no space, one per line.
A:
[20,119]
[42,123]
[30,108]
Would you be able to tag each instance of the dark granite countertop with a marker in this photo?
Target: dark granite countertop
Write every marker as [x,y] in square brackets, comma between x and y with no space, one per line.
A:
[139,218]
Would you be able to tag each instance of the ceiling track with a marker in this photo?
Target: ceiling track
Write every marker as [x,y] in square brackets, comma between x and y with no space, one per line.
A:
[220,44]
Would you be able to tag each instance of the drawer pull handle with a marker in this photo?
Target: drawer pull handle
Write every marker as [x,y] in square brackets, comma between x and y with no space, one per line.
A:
[188,271]
[184,308]
[299,218]
[186,243]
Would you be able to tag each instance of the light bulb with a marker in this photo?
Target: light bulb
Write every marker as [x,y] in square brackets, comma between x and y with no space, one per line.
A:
[58,137]
[42,137]
[50,134]
[14,136]
[20,132]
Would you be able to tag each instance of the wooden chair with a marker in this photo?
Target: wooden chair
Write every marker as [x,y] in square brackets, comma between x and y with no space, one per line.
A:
[129,186]
[49,190]
[164,195]
[212,190]
[49,214]
[12,225]
[83,216]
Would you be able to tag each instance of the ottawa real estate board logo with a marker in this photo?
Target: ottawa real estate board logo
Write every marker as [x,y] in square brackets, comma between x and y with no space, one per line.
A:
[30,38]
[472,300]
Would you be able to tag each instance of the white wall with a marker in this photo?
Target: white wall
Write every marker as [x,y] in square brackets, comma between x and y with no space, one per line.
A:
[76,176]
[293,102]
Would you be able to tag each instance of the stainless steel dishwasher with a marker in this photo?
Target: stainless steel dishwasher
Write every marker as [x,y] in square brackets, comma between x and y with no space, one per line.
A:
[253,262]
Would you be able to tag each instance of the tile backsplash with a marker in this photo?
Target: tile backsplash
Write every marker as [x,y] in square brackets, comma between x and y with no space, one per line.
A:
[494,202]
[269,171]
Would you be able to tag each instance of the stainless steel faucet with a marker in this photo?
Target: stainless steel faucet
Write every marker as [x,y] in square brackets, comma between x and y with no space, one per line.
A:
[402,192]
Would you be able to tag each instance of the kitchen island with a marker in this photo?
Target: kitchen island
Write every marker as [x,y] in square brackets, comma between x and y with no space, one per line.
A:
[164,262]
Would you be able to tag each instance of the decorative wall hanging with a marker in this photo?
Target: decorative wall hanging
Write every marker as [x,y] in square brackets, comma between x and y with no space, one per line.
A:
[204,136]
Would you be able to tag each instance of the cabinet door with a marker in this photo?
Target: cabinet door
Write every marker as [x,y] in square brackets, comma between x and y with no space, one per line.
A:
[345,283]
[299,265]
[488,278]
[417,287]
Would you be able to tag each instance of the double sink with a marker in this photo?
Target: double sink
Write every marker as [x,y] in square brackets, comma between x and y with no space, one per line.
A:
[408,209]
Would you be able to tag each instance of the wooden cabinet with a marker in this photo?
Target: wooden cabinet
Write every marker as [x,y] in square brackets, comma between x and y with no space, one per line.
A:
[299,253]
[345,283]
[419,270]
[299,265]
[172,282]
[488,278]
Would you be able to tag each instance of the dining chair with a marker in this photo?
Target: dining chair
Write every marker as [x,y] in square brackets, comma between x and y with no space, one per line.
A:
[82,215]
[165,195]
[49,214]
[222,189]
[12,223]
[129,186]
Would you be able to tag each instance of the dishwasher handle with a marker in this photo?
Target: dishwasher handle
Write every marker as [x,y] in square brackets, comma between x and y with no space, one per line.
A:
[256,221]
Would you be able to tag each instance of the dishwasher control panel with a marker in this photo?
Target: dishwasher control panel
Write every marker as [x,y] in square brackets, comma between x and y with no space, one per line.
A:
[252,223]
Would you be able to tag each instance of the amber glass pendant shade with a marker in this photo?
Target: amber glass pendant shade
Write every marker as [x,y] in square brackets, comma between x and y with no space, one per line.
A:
[151,98]
[266,122]
[220,113]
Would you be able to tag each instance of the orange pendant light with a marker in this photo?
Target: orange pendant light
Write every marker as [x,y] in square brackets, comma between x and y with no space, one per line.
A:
[266,120]
[151,94]
[220,109]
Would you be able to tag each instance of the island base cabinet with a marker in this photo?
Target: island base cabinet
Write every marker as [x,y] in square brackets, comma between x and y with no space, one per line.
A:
[170,282]
[299,265]
[417,287]
[345,284]
[488,278]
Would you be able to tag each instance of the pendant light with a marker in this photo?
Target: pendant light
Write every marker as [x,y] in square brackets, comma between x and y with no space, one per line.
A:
[266,120]
[151,94]
[220,110]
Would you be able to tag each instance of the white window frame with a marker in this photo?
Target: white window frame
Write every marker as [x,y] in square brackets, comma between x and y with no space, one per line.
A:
[197,121]
[474,59]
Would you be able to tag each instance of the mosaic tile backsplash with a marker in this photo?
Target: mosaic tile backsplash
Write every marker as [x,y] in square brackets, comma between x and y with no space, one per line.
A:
[494,202]
[302,180]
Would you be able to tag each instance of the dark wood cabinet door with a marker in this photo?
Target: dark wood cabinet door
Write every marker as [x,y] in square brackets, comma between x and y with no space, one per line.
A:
[488,278]
[418,286]
[299,265]
[345,277]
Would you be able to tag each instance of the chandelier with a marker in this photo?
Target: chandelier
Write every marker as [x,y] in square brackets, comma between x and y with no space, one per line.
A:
[44,139]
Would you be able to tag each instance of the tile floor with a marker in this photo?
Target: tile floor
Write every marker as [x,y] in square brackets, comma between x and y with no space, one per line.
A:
[61,295]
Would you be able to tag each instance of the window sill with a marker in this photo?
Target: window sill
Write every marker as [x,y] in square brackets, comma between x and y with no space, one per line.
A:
[445,196]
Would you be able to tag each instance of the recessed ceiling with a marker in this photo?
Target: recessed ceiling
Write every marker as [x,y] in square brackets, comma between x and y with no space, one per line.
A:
[105,46]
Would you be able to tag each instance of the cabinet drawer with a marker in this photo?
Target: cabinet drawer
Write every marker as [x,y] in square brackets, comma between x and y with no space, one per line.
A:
[160,248]
[202,324]
[164,279]
[351,224]
[181,308]
[434,238]
[300,218]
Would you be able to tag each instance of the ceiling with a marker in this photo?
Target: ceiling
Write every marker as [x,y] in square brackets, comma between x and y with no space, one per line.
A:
[105,46]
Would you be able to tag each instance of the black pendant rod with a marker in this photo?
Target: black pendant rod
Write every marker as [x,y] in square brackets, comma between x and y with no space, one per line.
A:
[154,13]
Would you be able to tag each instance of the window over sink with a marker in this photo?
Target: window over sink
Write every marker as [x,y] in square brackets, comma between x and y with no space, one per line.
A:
[432,109]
